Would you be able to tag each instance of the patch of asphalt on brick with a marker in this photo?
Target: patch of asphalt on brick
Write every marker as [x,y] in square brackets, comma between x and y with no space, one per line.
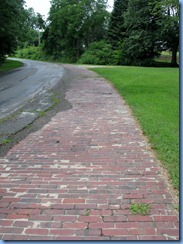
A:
[27,120]
[17,123]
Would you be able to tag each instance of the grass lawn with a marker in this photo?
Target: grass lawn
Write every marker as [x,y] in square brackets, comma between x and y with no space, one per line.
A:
[9,65]
[153,95]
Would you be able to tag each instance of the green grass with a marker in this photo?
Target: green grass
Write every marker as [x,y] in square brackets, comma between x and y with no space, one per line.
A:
[139,208]
[10,65]
[153,95]
[6,141]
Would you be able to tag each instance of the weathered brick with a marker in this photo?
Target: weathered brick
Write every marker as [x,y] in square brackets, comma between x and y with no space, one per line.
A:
[23,223]
[62,232]
[40,238]
[114,218]
[8,199]
[17,216]
[71,200]
[14,237]
[29,211]
[101,225]
[169,232]
[127,225]
[142,232]
[88,232]
[75,225]
[152,238]
[139,218]
[86,206]
[62,206]
[101,212]
[52,212]
[50,224]
[4,204]
[65,218]
[41,217]
[165,218]
[114,232]
[89,219]
[11,230]
[6,223]
[36,231]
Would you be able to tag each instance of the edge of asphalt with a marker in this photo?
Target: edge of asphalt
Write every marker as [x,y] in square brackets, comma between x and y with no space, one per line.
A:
[35,114]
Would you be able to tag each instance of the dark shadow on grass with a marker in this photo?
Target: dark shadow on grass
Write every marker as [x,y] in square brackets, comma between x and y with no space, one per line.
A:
[160,64]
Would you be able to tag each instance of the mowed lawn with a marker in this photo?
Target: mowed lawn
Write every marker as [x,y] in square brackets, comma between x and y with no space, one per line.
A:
[153,95]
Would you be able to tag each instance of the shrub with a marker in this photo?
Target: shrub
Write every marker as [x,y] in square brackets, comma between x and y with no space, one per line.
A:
[99,53]
[30,52]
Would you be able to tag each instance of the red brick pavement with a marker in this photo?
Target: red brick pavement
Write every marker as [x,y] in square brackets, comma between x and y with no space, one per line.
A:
[76,178]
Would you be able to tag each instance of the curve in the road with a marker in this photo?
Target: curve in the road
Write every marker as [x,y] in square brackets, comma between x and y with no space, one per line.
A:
[19,86]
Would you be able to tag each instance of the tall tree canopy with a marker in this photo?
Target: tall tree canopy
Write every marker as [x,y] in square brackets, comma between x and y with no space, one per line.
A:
[141,29]
[73,25]
[170,30]
[31,24]
[10,22]
[117,30]
[142,42]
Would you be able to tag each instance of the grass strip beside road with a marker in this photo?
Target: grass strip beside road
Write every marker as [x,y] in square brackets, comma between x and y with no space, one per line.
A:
[10,65]
[153,95]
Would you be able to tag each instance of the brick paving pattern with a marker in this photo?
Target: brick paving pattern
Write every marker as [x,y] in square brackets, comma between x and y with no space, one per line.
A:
[76,178]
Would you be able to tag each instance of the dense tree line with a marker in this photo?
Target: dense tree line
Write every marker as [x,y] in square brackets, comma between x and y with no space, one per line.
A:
[10,19]
[19,27]
[73,25]
[141,29]
[134,33]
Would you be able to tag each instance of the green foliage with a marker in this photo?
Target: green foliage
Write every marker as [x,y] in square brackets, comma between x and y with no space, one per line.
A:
[98,53]
[19,27]
[31,52]
[140,208]
[73,27]
[41,114]
[116,29]
[141,29]
[141,44]
[87,212]
[170,28]
[31,25]
[10,18]
[6,141]
[153,94]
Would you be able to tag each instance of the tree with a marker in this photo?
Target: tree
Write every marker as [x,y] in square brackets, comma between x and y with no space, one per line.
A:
[10,20]
[170,30]
[73,25]
[142,41]
[116,30]
[32,24]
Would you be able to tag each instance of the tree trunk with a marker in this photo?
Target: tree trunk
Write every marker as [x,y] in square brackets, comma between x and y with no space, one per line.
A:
[174,54]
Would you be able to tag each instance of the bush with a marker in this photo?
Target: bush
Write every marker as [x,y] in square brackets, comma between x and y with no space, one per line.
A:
[30,52]
[98,53]
[138,49]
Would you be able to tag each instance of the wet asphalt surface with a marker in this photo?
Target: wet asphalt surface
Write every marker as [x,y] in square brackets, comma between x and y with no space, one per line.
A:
[32,111]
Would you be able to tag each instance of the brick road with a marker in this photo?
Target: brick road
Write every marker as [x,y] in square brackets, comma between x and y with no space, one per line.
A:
[76,178]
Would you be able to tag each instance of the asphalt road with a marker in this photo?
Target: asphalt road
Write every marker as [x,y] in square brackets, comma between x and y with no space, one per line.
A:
[20,85]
